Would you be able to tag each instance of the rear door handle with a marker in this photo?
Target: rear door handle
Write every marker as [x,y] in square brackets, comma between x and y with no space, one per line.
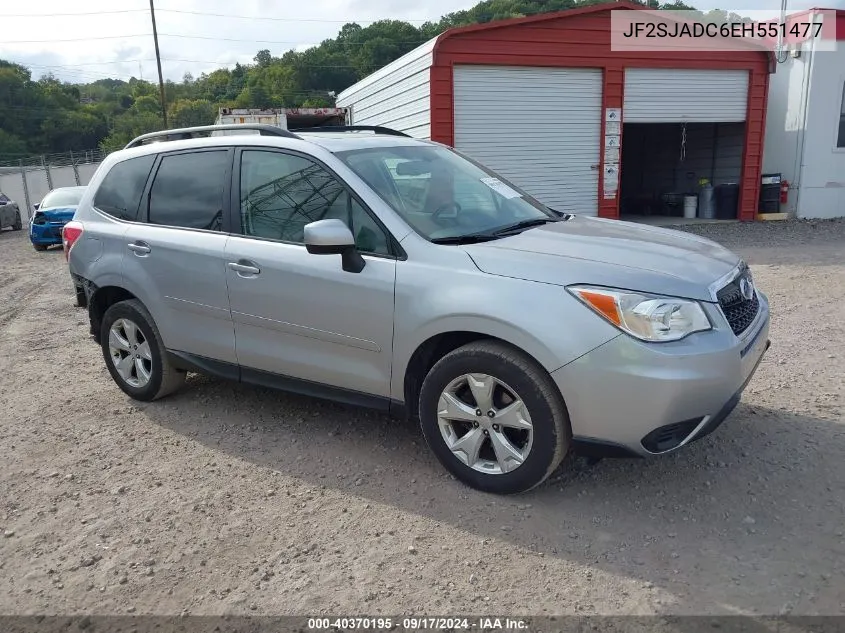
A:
[244,269]
[139,248]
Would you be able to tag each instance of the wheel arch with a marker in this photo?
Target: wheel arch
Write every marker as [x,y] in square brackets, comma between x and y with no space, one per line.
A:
[436,346]
[101,299]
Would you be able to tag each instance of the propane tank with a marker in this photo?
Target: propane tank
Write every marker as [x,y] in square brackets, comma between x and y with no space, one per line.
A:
[784,191]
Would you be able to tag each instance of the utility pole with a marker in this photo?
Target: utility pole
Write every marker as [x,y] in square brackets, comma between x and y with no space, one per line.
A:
[158,63]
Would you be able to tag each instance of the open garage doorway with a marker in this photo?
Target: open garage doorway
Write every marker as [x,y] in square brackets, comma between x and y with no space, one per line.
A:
[662,163]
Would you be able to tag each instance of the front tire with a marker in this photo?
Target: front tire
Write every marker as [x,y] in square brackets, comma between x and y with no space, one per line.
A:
[494,418]
[18,225]
[134,353]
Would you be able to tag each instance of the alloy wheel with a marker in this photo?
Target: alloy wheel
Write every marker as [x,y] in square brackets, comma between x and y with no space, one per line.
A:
[485,423]
[130,353]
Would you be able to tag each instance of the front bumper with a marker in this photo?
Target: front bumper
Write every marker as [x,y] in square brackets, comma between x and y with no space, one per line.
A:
[49,233]
[629,398]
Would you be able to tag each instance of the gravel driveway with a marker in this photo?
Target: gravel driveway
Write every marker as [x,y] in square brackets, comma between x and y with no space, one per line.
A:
[231,499]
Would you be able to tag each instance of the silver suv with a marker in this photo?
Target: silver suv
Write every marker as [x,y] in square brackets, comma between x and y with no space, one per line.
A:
[380,270]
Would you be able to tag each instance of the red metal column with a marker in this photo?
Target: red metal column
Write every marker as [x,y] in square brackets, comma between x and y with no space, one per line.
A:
[752,155]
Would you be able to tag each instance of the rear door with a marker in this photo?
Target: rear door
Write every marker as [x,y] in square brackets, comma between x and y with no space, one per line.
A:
[174,255]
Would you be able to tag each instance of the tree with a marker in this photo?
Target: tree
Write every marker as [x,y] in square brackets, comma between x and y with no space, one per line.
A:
[11,147]
[186,113]
[263,58]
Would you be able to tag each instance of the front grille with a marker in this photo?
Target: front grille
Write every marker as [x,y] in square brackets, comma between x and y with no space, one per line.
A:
[739,311]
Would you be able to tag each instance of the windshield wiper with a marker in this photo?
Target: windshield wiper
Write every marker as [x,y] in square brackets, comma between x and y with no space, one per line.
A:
[524,224]
[469,238]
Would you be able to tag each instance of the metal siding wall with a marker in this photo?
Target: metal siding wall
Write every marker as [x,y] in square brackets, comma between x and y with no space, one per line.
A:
[397,96]
[672,95]
[538,127]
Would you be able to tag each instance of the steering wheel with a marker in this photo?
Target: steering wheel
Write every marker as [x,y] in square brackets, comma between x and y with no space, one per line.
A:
[444,207]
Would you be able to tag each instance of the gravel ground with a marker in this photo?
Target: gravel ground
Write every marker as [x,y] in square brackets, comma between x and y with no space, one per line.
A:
[231,499]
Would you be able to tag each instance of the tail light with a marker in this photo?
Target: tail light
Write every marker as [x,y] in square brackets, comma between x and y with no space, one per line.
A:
[39,218]
[71,232]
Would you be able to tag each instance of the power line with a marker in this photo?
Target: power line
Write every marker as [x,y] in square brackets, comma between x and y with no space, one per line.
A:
[76,39]
[287,42]
[266,18]
[68,15]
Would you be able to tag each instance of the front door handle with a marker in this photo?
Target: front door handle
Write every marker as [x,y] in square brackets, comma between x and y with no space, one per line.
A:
[139,248]
[244,269]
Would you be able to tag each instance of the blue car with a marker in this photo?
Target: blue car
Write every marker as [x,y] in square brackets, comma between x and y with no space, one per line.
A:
[51,214]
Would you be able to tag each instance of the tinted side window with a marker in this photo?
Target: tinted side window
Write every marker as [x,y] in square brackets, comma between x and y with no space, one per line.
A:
[120,192]
[188,190]
[281,193]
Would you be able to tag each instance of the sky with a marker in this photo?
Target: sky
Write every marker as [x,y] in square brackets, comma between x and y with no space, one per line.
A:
[86,41]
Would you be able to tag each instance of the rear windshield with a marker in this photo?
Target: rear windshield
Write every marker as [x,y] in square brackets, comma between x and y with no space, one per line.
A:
[62,198]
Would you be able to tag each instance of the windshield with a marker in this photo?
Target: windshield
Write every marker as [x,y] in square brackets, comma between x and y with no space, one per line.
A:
[442,194]
[62,198]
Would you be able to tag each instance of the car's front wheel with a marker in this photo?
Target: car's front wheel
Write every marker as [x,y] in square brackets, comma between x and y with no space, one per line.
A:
[134,352]
[494,418]
[18,225]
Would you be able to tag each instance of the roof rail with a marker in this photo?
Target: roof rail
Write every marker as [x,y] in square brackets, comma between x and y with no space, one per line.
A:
[377,129]
[194,132]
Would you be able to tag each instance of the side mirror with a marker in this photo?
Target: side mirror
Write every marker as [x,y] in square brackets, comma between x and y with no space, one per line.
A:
[333,237]
[36,205]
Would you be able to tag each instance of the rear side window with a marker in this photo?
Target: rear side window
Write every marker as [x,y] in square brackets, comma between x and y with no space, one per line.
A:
[188,190]
[120,192]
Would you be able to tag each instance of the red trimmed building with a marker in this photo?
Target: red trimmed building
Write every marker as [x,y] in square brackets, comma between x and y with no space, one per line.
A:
[585,129]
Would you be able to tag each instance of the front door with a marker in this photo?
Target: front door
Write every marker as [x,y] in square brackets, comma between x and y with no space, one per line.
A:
[299,315]
[174,255]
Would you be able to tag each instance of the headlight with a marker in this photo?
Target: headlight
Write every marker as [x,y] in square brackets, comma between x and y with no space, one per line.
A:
[643,316]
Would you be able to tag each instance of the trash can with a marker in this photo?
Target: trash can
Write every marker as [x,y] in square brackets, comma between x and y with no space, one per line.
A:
[690,205]
[769,193]
[727,201]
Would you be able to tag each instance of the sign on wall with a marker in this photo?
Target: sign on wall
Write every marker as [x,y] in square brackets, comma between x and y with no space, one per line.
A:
[612,151]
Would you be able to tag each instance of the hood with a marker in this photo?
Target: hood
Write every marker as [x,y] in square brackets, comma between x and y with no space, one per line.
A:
[609,253]
[57,214]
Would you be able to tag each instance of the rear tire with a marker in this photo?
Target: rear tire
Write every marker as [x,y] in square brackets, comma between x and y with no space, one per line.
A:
[515,451]
[18,225]
[136,358]
[40,247]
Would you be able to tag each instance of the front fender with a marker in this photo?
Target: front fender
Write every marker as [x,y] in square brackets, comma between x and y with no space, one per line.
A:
[542,320]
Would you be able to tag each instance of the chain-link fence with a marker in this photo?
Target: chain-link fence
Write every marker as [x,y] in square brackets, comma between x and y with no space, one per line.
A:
[28,180]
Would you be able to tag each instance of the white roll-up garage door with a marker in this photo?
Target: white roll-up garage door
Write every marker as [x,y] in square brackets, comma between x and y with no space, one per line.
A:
[538,127]
[669,95]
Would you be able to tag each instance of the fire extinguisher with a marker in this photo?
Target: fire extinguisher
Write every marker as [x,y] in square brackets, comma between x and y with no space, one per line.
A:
[784,191]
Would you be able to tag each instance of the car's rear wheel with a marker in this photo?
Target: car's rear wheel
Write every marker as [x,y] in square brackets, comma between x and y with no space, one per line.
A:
[134,352]
[494,418]
[18,225]
[40,247]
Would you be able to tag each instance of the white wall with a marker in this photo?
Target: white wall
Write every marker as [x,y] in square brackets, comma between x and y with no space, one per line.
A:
[805,96]
[822,182]
[397,96]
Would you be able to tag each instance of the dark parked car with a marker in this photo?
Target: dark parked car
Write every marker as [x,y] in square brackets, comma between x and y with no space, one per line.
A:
[10,214]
